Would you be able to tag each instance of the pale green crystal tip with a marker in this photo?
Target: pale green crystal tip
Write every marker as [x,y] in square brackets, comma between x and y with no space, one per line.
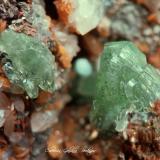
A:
[31,64]
[125,84]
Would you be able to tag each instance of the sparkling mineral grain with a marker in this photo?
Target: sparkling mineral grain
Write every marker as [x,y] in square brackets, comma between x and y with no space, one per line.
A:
[126,84]
[82,15]
[29,64]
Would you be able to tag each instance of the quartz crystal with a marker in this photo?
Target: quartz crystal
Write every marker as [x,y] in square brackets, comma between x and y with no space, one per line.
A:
[82,15]
[29,64]
[126,85]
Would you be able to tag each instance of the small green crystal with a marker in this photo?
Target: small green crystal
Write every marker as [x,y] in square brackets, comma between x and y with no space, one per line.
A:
[125,84]
[32,64]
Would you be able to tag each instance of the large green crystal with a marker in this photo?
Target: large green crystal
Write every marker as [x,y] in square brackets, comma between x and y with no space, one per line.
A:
[125,84]
[32,64]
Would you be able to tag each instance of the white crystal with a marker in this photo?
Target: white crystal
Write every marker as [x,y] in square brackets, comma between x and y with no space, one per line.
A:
[82,15]
[86,14]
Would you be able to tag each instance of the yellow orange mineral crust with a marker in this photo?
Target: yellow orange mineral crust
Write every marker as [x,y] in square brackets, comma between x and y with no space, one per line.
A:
[43,97]
[62,56]
[142,46]
[5,82]
[153,18]
[3,25]
[64,10]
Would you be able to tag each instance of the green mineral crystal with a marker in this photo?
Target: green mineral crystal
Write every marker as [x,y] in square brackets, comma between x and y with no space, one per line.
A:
[126,84]
[31,64]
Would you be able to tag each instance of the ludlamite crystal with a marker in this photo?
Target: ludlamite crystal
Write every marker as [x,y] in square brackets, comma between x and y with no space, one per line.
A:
[126,85]
[29,63]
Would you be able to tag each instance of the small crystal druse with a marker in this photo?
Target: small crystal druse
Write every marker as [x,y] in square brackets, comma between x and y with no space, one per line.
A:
[30,65]
[125,84]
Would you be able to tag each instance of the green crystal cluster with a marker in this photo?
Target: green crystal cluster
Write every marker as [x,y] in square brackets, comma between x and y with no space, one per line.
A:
[125,84]
[31,64]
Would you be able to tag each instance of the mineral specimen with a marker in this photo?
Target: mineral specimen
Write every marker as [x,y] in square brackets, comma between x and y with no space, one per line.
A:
[126,85]
[82,15]
[29,64]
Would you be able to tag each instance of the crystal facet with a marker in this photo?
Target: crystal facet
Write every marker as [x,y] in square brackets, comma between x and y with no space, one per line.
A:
[125,84]
[30,65]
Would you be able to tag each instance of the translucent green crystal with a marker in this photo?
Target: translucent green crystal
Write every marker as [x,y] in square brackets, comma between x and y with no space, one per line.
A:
[31,64]
[86,86]
[125,84]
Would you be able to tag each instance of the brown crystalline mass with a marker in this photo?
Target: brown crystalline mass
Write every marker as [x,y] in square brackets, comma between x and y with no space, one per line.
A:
[143,140]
